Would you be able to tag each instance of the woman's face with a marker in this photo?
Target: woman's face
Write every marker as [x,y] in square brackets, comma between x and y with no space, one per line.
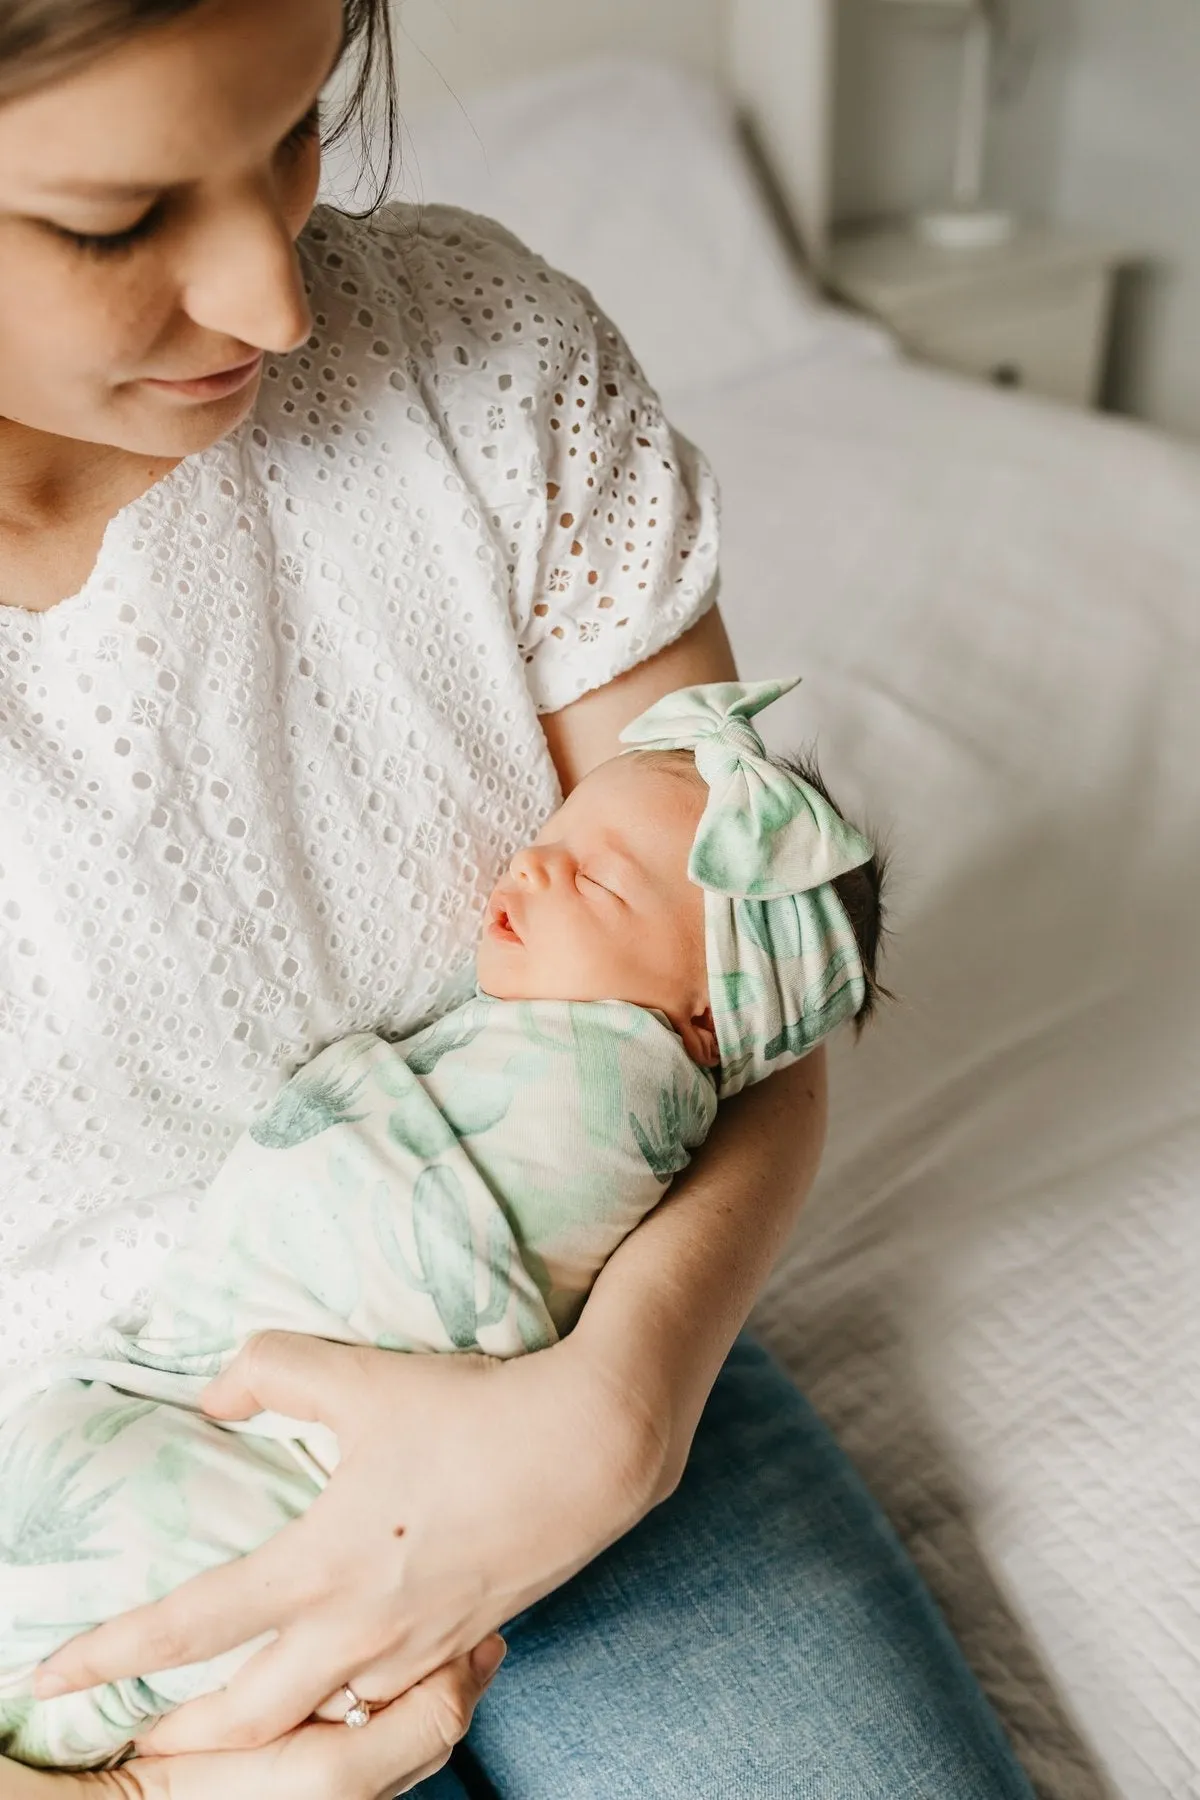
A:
[187,161]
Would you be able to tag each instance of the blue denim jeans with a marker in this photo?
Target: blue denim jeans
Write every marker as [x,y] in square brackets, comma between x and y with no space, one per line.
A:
[761,1635]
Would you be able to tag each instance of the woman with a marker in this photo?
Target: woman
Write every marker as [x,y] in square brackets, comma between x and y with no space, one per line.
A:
[304,523]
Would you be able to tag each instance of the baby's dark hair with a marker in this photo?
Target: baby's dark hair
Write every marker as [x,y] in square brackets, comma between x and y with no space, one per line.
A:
[861,892]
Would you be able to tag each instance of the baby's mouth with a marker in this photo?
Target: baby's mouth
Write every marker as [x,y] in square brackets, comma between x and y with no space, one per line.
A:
[500,924]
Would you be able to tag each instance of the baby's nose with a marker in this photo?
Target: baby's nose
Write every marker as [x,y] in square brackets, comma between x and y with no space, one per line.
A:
[530,868]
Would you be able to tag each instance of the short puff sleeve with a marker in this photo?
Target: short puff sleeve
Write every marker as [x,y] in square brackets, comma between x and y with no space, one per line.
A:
[607,520]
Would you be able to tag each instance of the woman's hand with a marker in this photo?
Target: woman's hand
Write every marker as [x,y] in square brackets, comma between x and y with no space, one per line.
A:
[467,1489]
[404,1744]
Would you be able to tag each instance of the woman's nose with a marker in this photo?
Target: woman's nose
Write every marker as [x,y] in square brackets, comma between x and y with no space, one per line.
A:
[249,284]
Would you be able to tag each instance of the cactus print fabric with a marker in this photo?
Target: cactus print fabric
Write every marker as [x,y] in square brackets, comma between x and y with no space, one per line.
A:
[459,1190]
[783,962]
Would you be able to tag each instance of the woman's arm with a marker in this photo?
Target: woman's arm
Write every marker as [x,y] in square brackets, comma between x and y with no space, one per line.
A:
[17,1783]
[668,1305]
[588,731]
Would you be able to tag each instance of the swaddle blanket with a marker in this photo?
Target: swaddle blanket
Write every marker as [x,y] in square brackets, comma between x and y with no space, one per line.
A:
[457,1191]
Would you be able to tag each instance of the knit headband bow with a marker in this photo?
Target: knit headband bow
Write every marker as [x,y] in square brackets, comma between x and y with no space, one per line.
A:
[783,962]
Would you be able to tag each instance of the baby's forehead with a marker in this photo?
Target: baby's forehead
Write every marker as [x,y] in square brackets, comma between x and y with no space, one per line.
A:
[639,786]
[641,805]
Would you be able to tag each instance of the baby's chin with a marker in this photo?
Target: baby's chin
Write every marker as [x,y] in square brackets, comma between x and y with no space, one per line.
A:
[507,973]
[498,989]
[501,975]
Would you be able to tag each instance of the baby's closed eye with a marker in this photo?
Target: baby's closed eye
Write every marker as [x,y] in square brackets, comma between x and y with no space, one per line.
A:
[594,885]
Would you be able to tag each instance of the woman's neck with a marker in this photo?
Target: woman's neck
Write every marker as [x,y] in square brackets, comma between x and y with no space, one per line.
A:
[48,482]
[57,496]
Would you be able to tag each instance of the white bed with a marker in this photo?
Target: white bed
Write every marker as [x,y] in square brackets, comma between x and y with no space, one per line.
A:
[996,608]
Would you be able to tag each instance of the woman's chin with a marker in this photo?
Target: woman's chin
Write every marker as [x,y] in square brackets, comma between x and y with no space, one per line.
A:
[158,426]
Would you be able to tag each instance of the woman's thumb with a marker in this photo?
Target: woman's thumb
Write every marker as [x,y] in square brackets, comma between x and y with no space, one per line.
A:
[486,1659]
[284,1372]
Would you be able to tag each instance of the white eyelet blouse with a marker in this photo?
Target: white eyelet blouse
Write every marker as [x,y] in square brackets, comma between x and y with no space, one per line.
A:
[258,776]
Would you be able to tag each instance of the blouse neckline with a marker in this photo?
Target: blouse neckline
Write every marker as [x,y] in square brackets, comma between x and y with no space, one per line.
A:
[123,527]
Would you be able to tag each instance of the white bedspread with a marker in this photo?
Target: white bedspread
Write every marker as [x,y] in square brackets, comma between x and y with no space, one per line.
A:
[995,1295]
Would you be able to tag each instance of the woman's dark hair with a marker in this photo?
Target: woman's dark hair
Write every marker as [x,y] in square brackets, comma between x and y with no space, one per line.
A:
[44,40]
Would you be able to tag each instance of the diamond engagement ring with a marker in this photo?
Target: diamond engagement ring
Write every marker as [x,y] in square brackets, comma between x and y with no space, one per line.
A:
[357,1713]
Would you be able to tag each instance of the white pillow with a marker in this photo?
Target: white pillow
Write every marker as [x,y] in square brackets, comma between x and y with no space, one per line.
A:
[631,176]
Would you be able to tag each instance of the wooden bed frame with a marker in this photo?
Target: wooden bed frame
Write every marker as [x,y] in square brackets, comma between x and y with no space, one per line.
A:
[775,56]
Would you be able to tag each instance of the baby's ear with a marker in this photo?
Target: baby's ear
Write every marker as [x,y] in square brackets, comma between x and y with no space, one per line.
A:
[700,1039]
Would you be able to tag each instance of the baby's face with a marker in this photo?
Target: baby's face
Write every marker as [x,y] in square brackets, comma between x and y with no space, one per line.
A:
[599,907]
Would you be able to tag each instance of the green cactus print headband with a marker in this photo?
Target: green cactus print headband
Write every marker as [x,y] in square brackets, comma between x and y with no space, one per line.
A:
[783,962]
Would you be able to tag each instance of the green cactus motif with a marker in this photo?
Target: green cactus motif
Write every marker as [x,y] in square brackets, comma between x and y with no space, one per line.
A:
[44,1517]
[595,1042]
[307,1106]
[478,1102]
[444,1236]
[776,930]
[391,1340]
[415,1123]
[683,1120]
[729,856]
[735,991]
[454,1032]
[475,1103]
[734,1067]
[161,1496]
[15,1716]
[104,1426]
[821,1010]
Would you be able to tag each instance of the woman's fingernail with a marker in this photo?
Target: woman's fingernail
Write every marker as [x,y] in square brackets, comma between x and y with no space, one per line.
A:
[48,1686]
[487,1657]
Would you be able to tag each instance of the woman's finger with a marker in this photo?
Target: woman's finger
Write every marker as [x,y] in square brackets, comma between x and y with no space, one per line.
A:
[212,1613]
[411,1739]
[404,1744]
[269,1696]
[284,1371]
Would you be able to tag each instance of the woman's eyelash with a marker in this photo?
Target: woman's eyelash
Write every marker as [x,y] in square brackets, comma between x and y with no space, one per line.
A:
[114,242]
[305,130]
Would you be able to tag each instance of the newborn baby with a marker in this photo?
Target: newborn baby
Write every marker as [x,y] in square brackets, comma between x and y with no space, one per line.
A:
[675,932]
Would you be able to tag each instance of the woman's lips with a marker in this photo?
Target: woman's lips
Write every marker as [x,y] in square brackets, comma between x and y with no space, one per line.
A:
[211,387]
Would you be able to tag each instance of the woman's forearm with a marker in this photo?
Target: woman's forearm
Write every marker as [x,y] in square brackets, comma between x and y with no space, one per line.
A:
[19,1783]
[668,1305]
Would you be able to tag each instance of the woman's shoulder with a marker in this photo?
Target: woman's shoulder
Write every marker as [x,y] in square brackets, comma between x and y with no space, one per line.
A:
[400,243]
[441,280]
